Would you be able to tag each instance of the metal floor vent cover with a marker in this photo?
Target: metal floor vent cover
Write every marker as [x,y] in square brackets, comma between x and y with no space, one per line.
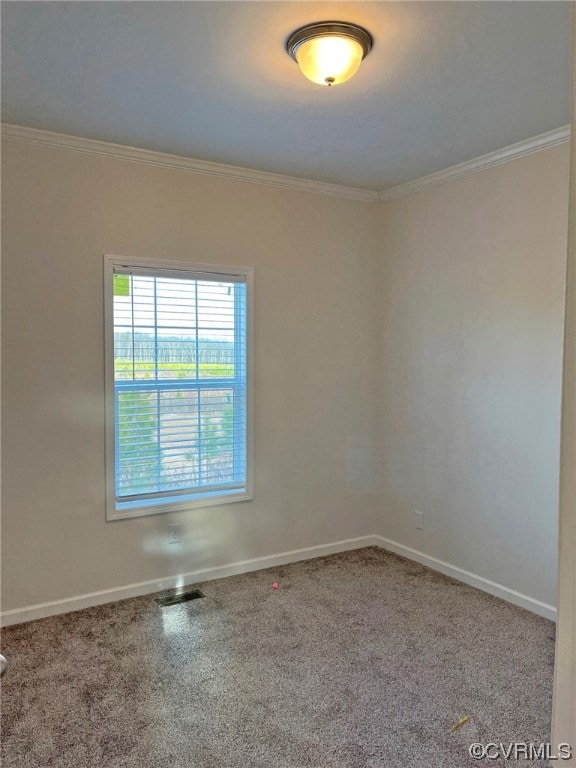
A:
[180,597]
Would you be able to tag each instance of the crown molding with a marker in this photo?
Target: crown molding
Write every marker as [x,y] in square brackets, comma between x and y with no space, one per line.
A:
[455,172]
[177,162]
[192,165]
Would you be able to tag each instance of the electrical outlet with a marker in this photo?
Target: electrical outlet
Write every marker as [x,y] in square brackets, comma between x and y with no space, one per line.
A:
[174,533]
[419,520]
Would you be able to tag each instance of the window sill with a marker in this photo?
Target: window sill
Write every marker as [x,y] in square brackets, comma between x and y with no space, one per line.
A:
[123,511]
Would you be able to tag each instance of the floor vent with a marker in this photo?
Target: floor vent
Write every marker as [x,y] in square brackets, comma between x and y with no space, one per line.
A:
[180,597]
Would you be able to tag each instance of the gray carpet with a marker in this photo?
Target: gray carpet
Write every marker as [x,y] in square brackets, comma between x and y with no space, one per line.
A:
[359,660]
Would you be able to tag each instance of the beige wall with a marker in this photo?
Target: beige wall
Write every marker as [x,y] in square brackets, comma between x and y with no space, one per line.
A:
[470,373]
[315,335]
[407,357]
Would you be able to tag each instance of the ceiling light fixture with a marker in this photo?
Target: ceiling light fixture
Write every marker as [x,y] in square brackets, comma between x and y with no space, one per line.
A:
[329,52]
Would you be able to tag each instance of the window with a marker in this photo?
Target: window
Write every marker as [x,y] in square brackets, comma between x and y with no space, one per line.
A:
[177,386]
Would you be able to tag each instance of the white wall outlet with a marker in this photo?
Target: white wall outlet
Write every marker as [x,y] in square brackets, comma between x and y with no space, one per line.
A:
[174,533]
[419,520]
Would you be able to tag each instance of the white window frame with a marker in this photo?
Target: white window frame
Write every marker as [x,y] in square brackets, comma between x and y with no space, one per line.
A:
[114,510]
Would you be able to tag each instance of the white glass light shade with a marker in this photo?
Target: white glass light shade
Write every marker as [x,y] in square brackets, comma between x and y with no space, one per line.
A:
[329,60]
[329,52]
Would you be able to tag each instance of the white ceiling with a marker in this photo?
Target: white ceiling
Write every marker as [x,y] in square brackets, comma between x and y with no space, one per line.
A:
[445,82]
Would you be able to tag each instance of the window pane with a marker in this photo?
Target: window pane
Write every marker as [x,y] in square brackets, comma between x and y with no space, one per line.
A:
[137,440]
[180,385]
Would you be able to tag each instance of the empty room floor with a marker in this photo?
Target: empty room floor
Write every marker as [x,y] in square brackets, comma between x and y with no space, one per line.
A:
[358,659]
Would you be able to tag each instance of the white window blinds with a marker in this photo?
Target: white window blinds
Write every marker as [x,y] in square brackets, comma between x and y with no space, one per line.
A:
[180,385]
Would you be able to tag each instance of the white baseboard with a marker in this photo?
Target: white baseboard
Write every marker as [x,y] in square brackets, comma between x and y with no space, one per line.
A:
[91,599]
[492,587]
